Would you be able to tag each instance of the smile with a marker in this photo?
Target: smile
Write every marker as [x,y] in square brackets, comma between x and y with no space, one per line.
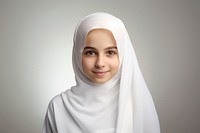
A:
[100,73]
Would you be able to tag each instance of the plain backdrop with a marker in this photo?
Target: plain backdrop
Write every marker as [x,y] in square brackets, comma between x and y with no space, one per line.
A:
[35,57]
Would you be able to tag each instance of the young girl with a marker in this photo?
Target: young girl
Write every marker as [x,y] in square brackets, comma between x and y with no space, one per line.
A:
[110,95]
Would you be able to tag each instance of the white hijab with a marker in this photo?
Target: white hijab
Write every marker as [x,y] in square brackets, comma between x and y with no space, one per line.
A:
[121,105]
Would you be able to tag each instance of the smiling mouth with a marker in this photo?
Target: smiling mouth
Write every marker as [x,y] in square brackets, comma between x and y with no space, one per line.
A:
[100,74]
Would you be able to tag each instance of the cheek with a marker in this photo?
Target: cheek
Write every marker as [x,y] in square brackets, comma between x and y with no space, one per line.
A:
[114,63]
[86,64]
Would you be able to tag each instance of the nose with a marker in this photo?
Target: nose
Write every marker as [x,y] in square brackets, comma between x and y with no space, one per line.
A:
[100,61]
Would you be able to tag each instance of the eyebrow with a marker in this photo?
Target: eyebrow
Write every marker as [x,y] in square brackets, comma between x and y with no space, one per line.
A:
[111,47]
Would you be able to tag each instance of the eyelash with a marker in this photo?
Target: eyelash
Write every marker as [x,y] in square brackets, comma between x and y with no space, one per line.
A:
[109,53]
[90,53]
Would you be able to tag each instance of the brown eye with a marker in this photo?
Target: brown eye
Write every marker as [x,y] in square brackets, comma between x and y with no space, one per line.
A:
[111,52]
[90,53]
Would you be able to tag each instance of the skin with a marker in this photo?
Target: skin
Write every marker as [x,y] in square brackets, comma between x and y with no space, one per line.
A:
[100,60]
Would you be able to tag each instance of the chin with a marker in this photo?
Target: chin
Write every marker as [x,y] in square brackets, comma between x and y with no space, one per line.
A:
[100,81]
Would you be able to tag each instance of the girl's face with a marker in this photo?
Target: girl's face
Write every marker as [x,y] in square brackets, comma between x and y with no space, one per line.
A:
[100,60]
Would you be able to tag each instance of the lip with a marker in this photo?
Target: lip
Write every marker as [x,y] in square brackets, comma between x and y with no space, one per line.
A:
[100,73]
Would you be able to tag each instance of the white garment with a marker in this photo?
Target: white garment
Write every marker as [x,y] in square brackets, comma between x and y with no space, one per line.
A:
[122,105]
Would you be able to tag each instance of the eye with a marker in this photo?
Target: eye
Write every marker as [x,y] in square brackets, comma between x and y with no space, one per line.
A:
[111,52]
[90,53]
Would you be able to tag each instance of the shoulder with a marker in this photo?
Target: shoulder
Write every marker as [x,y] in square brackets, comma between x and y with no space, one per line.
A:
[57,101]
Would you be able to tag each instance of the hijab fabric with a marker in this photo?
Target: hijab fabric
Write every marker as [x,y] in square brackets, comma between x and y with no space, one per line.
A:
[121,105]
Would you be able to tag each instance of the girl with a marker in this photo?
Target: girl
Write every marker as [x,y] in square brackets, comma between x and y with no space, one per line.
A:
[110,95]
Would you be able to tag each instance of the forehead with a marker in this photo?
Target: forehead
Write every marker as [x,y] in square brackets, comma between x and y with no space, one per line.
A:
[100,30]
[100,35]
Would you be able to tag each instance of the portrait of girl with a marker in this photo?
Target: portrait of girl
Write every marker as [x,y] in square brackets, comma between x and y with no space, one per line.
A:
[110,95]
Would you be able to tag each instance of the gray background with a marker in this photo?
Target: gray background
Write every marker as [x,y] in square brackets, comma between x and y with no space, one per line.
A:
[35,57]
